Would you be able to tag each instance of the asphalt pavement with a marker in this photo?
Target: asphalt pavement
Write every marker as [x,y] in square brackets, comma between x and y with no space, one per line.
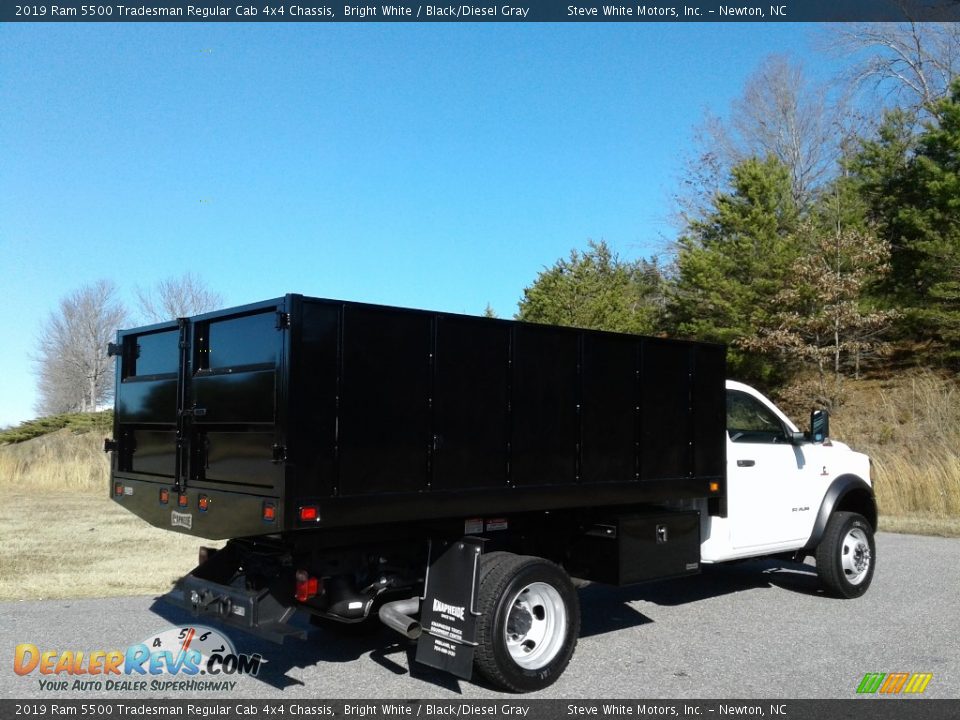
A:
[756,629]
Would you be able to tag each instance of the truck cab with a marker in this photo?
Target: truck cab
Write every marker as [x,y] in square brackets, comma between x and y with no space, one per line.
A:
[783,485]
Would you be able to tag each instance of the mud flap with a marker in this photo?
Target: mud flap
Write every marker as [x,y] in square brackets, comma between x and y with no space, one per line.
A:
[449,615]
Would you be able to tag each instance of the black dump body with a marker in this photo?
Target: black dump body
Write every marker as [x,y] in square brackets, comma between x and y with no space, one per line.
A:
[378,414]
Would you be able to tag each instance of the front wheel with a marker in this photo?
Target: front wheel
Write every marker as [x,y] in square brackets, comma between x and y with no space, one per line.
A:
[847,555]
[529,624]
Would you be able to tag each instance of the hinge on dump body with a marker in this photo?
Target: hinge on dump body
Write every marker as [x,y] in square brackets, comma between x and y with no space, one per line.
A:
[283,320]
[114,349]
[110,445]
[279,453]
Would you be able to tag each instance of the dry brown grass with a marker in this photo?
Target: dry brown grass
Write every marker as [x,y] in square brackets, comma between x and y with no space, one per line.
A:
[910,426]
[62,536]
[78,545]
[59,461]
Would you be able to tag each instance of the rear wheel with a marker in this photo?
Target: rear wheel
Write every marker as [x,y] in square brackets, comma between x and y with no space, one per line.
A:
[846,555]
[529,623]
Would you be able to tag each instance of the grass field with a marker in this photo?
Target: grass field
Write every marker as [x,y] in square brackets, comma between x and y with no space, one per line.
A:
[80,545]
[910,427]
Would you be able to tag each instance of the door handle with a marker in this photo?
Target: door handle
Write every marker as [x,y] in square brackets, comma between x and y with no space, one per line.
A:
[746,463]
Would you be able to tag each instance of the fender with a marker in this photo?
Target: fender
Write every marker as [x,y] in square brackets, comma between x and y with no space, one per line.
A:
[844,487]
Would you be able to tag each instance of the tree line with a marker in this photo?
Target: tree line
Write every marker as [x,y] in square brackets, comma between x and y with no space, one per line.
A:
[818,231]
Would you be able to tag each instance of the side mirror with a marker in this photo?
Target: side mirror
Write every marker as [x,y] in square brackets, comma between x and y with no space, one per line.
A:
[819,426]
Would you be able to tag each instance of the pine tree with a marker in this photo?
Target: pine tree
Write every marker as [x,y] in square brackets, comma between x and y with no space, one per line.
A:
[911,181]
[596,289]
[731,265]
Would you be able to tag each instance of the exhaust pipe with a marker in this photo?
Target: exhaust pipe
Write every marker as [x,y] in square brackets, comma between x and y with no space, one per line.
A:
[396,615]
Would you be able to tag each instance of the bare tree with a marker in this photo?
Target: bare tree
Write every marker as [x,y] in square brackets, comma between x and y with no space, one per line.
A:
[821,317]
[73,370]
[781,114]
[910,63]
[177,297]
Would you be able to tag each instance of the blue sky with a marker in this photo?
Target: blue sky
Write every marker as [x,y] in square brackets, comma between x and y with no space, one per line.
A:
[438,166]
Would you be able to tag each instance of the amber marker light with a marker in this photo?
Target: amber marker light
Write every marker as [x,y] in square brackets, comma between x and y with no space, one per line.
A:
[714,487]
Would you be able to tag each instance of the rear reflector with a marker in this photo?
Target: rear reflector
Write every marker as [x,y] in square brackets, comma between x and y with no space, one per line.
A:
[269,512]
[118,489]
[307,587]
[164,496]
[182,500]
[309,512]
[203,502]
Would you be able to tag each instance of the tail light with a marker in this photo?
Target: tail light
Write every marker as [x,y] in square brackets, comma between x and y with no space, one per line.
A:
[203,502]
[269,511]
[309,512]
[182,500]
[118,489]
[164,496]
[307,587]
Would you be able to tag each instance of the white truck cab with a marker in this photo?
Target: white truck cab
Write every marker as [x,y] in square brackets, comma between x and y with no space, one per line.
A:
[790,492]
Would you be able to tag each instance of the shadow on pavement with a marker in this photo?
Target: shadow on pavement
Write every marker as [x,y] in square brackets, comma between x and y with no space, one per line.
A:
[604,609]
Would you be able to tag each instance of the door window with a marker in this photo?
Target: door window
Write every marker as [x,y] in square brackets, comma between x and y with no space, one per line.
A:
[750,421]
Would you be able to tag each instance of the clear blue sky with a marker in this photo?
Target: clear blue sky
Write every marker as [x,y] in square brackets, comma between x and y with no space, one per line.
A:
[438,166]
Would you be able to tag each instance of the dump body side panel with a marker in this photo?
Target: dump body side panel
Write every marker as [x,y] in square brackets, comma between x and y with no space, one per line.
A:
[376,414]
[435,415]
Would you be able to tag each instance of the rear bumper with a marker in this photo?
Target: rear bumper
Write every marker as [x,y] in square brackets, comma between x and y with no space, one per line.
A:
[229,514]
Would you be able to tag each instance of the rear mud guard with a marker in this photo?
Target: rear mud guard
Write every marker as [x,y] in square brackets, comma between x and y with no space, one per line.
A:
[449,609]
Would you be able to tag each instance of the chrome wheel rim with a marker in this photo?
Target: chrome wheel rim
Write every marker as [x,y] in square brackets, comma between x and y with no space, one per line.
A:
[855,556]
[536,625]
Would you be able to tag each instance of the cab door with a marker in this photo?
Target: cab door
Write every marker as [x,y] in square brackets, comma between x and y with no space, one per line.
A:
[767,476]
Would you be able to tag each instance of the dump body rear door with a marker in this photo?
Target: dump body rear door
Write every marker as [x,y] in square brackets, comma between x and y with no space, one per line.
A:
[197,411]
[146,403]
[233,394]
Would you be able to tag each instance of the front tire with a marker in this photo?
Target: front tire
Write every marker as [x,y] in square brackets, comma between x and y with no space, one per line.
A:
[846,555]
[530,621]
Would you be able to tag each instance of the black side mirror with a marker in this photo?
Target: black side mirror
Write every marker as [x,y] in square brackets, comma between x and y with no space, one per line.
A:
[819,426]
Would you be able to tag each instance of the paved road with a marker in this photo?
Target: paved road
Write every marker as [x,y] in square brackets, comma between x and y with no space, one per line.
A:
[748,630]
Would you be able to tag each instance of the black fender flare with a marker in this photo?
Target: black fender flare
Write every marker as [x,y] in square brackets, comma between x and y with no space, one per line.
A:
[841,487]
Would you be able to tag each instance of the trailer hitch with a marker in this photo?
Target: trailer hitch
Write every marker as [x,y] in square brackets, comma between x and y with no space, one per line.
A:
[205,599]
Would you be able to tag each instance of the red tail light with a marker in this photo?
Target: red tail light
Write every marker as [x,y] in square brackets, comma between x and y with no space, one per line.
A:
[164,496]
[307,587]
[203,502]
[269,512]
[118,489]
[182,500]
[309,512]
